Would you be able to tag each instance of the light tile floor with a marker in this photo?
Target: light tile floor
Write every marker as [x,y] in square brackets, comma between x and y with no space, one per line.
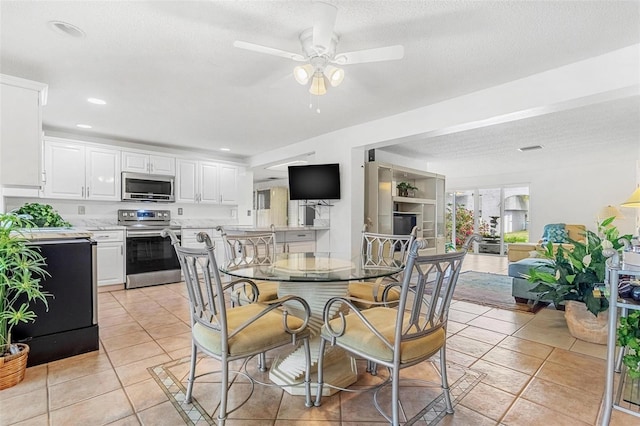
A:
[536,373]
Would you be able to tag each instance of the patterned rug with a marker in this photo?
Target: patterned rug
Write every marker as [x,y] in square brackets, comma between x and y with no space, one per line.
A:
[493,290]
[194,413]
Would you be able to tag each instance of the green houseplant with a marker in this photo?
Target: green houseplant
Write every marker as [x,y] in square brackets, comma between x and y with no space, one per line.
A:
[404,188]
[21,271]
[578,271]
[576,279]
[42,215]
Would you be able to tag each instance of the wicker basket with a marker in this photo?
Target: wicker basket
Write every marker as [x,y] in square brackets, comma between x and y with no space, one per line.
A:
[12,367]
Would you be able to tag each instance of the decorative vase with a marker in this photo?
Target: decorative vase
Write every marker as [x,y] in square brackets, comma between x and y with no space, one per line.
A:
[584,325]
[13,367]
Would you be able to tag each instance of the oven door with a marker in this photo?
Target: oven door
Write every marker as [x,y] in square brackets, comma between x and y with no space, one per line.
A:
[150,259]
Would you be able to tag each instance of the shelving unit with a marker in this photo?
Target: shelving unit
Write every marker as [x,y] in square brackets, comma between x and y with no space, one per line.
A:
[389,213]
[611,401]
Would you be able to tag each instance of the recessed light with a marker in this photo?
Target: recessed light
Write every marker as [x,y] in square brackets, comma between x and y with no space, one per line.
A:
[225,149]
[67,29]
[530,148]
[96,101]
[83,126]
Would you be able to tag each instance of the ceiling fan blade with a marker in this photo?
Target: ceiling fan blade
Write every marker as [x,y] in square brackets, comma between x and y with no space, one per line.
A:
[267,50]
[389,53]
[324,20]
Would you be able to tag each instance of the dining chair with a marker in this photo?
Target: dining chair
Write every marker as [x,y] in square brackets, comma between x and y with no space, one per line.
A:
[250,248]
[404,335]
[241,332]
[380,250]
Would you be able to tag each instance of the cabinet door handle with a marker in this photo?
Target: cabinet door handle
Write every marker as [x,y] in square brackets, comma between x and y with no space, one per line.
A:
[150,166]
[83,192]
[87,192]
[121,251]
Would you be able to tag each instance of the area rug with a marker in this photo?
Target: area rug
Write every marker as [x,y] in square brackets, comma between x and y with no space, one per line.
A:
[195,414]
[494,290]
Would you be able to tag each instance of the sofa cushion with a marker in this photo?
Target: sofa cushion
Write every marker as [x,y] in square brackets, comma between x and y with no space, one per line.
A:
[522,267]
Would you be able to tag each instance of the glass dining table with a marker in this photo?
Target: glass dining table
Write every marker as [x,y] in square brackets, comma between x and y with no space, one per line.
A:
[316,277]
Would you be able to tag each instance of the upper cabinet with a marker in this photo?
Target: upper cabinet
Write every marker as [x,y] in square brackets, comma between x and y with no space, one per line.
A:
[141,162]
[21,131]
[206,182]
[77,171]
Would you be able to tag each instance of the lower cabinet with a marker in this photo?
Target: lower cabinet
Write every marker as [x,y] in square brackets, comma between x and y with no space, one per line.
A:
[110,256]
[296,241]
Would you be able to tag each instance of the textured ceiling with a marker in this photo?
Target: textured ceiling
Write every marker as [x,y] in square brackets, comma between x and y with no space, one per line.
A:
[171,76]
[576,136]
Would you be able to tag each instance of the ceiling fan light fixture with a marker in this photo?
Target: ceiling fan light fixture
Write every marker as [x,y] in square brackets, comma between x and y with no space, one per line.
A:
[335,75]
[317,86]
[302,73]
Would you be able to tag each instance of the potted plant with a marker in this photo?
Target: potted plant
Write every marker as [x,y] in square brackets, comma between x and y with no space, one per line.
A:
[42,215]
[404,188]
[21,270]
[577,277]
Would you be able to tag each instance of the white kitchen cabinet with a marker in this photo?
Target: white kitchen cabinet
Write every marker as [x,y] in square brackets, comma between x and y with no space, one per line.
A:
[140,162]
[21,104]
[209,182]
[110,252]
[206,182]
[77,171]
[228,184]
[296,241]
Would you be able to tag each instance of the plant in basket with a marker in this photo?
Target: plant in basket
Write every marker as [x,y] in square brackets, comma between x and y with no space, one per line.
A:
[21,271]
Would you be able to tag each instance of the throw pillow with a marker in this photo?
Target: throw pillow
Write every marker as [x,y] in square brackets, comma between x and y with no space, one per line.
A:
[558,236]
[552,229]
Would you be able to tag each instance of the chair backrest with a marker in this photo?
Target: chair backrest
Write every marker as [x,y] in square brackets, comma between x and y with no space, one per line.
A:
[426,291]
[206,295]
[249,248]
[386,249]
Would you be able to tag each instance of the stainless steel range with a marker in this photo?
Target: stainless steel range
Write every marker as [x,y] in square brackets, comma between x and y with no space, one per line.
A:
[150,258]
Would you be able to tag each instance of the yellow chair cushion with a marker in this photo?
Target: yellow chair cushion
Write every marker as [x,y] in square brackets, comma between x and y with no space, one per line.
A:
[359,338]
[365,290]
[262,333]
[268,290]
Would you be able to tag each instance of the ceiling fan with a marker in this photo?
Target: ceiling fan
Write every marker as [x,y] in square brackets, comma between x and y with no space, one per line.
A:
[319,52]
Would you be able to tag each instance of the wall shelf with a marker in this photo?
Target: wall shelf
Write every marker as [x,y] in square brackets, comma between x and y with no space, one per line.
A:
[427,206]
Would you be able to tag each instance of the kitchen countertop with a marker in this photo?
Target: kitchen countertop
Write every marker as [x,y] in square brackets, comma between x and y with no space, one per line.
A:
[40,234]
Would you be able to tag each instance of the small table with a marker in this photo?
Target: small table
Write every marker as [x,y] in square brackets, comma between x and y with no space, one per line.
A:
[316,277]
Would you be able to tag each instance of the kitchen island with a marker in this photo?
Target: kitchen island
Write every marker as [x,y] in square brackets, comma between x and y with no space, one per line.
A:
[69,326]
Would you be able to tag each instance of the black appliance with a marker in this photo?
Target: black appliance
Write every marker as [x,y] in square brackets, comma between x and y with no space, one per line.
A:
[314,182]
[70,324]
[403,223]
[150,259]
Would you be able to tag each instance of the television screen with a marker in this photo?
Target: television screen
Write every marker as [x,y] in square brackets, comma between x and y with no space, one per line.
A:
[314,182]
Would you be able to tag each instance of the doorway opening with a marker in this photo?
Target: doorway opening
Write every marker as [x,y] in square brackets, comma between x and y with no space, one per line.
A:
[500,215]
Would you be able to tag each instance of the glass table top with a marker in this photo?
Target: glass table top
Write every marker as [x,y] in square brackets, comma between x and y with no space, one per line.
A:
[306,267]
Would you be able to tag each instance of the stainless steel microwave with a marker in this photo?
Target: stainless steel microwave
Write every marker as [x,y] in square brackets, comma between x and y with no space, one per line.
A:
[143,187]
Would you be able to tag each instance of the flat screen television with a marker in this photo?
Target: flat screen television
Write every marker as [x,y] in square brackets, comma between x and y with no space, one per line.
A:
[314,182]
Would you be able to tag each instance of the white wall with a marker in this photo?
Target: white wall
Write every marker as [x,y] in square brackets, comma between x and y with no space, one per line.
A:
[574,194]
